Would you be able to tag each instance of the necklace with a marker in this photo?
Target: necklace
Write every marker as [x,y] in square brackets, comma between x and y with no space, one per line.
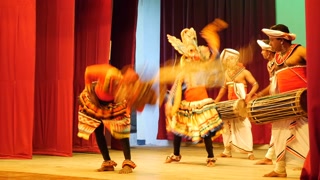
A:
[279,58]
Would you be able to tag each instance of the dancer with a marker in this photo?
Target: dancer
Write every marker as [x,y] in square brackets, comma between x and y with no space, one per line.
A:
[189,111]
[291,135]
[106,101]
[237,133]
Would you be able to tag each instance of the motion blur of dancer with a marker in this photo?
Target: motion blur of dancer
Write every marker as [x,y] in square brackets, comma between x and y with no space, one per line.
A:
[189,111]
[106,102]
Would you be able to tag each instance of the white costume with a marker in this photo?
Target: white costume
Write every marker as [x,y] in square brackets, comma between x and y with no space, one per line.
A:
[237,135]
[291,135]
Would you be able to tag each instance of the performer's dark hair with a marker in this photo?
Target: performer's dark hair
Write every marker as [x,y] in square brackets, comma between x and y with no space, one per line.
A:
[283,28]
[280,27]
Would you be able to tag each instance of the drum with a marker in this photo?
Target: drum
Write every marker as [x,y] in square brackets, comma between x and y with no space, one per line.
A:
[278,107]
[232,109]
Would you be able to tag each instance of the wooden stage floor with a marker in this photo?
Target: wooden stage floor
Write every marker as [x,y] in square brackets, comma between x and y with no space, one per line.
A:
[150,166]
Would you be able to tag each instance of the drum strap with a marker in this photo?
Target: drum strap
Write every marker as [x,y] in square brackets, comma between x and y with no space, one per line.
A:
[291,68]
[279,59]
[233,76]
[282,59]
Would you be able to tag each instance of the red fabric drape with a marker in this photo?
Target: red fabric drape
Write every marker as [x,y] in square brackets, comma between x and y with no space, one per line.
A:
[54,78]
[92,46]
[244,27]
[123,36]
[311,169]
[45,47]
[17,67]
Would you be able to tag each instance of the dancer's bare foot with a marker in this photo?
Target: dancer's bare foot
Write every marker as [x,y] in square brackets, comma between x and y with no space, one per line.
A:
[251,156]
[264,161]
[125,170]
[274,174]
[107,166]
[127,167]
[225,155]
[211,162]
[173,158]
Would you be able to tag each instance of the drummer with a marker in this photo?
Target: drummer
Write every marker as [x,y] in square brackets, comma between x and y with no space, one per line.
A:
[289,135]
[267,54]
[237,135]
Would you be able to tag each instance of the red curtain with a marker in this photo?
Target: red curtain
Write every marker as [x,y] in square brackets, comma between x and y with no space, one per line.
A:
[17,67]
[244,26]
[311,169]
[44,49]
[123,37]
[54,77]
[95,20]
[92,46]
[123,34]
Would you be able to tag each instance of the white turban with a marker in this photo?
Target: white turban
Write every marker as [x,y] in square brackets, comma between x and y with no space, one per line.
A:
[279,34]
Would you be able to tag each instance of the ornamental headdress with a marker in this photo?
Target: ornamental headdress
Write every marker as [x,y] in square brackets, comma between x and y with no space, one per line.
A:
[188,46]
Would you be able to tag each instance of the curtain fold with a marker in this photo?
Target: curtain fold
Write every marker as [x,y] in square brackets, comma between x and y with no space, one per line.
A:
[53,104]
[92,46]
[244,29]
[17,67]
[311,169]
[123,37]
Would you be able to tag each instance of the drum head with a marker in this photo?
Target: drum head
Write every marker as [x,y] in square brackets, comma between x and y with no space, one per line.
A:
[303,100]
[240,108]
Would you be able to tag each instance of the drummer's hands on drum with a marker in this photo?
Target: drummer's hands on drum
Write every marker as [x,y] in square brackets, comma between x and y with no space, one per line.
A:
[248,97]
[254,96]
[257,95]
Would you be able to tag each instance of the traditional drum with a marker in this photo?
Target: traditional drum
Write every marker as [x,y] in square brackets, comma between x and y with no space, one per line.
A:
[232,109]
[278,107]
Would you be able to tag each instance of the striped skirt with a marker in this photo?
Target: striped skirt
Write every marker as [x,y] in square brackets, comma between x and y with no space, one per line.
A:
[92,112]
[196,120]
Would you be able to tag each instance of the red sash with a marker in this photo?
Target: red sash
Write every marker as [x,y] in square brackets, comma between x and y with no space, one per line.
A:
[196,94]
[231,93]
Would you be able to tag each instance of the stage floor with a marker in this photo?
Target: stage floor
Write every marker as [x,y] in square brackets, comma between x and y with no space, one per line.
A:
[150,166]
